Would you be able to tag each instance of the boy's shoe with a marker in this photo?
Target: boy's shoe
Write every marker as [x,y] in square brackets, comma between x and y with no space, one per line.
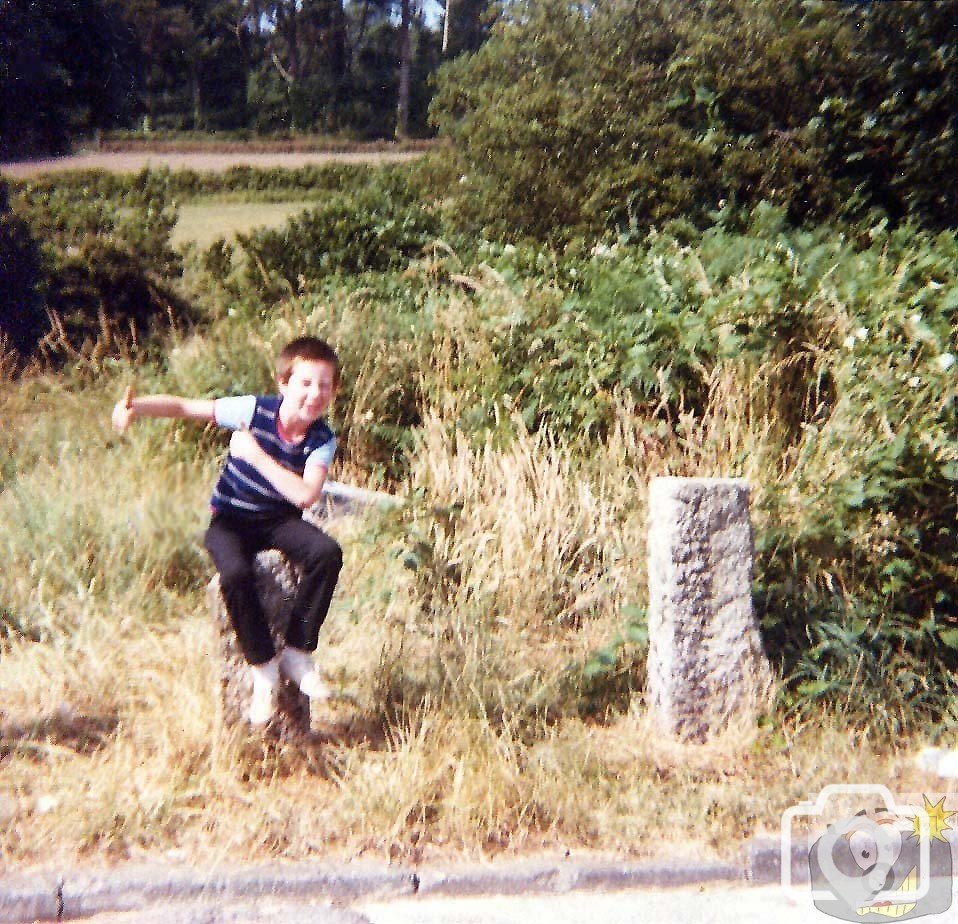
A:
[297,665]
[262,706]
[314,686]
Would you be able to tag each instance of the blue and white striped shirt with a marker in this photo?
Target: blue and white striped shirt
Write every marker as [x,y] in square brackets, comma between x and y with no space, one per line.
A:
[241,489]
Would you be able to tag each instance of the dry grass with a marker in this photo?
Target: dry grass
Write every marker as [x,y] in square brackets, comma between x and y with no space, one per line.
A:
[464,725]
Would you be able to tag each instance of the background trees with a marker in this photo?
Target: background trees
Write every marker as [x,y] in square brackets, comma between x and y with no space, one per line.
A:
[565,119]
[66,68]
[361,67]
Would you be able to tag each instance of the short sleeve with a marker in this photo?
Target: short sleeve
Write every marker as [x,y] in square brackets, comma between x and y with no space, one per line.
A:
[323,455]
[234,413]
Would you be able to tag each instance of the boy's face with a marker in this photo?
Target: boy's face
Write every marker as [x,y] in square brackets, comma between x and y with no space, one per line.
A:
[308,390]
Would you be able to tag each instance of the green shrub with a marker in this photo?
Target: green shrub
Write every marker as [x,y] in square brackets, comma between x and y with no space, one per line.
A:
[372,230]
[106,265]
[584,120]
[22,319]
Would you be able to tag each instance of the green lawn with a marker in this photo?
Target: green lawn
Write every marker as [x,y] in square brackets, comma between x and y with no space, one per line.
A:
[204,222]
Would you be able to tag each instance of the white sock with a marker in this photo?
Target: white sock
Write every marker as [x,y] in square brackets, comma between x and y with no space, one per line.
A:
[297,665]
[265,688]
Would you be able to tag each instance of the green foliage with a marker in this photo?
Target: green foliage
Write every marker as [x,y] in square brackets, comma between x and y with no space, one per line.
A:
[856,582]
[247,183]
[106,268]
[891,128]
[584,121]
[50,92]
[22,319]
[375,229]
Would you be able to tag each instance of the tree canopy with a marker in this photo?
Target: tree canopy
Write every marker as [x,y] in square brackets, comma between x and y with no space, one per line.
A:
[245,65]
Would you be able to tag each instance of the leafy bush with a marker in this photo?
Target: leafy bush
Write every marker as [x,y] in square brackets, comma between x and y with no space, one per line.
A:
[371,230]
[253,183]
[22,319]
[853,344]
[580,120]
[106,268]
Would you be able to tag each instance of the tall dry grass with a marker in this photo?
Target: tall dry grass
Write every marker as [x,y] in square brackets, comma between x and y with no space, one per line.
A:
[459,639]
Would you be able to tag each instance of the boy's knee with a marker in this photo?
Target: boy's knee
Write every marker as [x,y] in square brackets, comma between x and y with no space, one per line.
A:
[327,552]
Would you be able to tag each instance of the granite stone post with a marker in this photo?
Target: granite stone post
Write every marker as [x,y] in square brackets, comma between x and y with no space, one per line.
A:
[706,666]
[276,585]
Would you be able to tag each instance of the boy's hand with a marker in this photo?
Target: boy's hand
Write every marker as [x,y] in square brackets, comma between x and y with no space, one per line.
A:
[243,446]
[123,412]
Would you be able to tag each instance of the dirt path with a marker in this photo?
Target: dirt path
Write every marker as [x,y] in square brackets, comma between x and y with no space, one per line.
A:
[134,161]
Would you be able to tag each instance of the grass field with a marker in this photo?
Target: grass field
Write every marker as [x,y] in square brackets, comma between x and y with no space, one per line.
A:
[203,222]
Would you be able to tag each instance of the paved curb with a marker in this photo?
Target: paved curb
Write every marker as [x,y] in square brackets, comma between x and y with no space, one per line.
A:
[52,896]
[537,877]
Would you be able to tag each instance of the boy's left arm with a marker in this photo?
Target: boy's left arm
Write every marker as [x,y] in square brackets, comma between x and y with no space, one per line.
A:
[303,491]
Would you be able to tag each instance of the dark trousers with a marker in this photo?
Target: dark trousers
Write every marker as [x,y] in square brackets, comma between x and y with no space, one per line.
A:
[233,543]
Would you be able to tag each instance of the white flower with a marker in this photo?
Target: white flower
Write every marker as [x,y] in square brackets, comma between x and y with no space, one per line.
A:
[914,382]
[861,333]
[509,249]
[849,342]
[945,361]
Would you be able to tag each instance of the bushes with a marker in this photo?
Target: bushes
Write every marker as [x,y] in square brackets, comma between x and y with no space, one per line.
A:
[820,365]
[22,319]
[105,268]
[373,230]
[589,120]
[822,369]
[248,182]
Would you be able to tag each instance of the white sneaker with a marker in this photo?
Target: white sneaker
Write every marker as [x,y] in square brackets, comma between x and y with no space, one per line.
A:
[262,705]
[314,686]
[297,665]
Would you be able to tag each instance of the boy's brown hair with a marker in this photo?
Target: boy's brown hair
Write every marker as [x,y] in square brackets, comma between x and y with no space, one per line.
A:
[311,348]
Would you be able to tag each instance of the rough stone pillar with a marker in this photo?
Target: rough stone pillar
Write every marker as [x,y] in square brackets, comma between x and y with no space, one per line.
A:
[706,667]
[276,585]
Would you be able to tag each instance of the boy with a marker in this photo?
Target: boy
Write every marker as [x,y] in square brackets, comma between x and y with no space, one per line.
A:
[279,454]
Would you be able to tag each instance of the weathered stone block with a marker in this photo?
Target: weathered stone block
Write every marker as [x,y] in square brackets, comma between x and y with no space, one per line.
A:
[706,664]
[276,582]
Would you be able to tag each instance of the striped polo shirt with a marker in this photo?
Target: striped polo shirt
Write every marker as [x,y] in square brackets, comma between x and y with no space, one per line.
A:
[241,488]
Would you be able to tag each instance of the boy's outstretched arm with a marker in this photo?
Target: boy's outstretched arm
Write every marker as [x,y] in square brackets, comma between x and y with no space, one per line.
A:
[302,491]
[129,408]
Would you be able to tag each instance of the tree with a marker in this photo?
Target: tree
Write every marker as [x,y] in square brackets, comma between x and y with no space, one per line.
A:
[304,43]
[466,25]
[51,94]
[194,61]
[404,53]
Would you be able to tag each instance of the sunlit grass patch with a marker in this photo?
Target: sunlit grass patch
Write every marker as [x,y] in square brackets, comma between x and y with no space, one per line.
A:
[203,222]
